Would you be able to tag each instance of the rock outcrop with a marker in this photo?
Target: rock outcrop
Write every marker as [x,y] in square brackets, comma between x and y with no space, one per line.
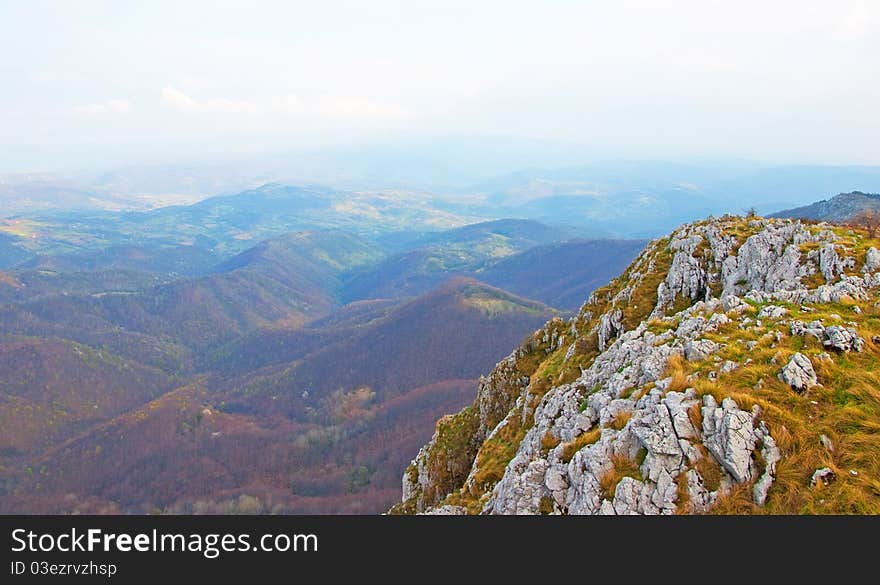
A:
[627,415]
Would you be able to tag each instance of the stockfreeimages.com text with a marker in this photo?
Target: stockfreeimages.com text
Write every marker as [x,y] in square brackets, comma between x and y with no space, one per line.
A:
[210,545]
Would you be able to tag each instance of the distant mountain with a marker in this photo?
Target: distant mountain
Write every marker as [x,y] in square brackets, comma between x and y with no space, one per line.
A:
[228,224]
[144,376]
[523,256]
[517,234]
[839,209]
[647,198]
[562,275]
[430,258]
[177,260]
[286,281]
[20,286]
[10,252]
[28,192]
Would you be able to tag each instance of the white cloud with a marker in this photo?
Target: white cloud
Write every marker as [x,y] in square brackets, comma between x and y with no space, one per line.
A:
[855,23]
[106,108]
[177,100]
[358,108]
[288,103]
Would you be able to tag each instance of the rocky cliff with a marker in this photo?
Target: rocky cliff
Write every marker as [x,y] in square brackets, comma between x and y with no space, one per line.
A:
[732,368]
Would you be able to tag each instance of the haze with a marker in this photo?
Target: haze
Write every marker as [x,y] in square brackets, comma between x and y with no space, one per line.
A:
[94,84]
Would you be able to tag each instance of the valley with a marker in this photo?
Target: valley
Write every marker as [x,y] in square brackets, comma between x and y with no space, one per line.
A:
[147,368]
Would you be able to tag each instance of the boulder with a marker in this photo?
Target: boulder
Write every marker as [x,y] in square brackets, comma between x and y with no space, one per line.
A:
[772,312]
[843,338]
[799,373]
[823,476]
[699,350]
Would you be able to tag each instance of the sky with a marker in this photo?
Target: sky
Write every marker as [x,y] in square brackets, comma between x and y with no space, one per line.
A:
[89,82]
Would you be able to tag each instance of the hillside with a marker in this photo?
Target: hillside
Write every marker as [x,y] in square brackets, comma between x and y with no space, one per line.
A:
[10,253]
[512,234]
[561,275]
[732,368]
[52,389]
[227,224]
[839,209]
[422,260]
[464,321]
[323,419]
[176,260]
[285,281]
[526,257]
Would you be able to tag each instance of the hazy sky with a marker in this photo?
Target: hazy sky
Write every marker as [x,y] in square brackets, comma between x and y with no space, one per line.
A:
[781,81]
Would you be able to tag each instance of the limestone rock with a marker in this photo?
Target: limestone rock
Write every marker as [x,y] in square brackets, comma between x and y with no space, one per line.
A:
[772,455]
[799,373]
[813,328]
[609,327]
[872,260]
[830,263]
[772,312]
[823,476]
[699,350]
[446,510]
[729,436]
[843,339]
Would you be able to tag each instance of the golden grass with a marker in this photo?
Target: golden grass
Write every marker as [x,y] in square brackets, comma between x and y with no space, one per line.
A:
[737,501]
[549,441]
[676,369]
[682,496]
[695,416]
[709,470]
[620,419]
[584,439]
[621,466]
[496,453]
[846,408]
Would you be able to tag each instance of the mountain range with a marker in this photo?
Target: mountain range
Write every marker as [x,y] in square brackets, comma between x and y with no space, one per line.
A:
[436,185]
[289,349]
[841,208]
[163,365]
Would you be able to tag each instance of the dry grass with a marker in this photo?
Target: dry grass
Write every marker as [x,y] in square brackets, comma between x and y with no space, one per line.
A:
[495,454]
[695,415]
[682,496]
[677,370]
[549,441]
[621,466]
[572,447]
[737,501]
[709,470]
[620,420]
[846,408]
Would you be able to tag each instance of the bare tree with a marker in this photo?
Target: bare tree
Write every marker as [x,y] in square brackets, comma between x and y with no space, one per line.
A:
[868,219]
